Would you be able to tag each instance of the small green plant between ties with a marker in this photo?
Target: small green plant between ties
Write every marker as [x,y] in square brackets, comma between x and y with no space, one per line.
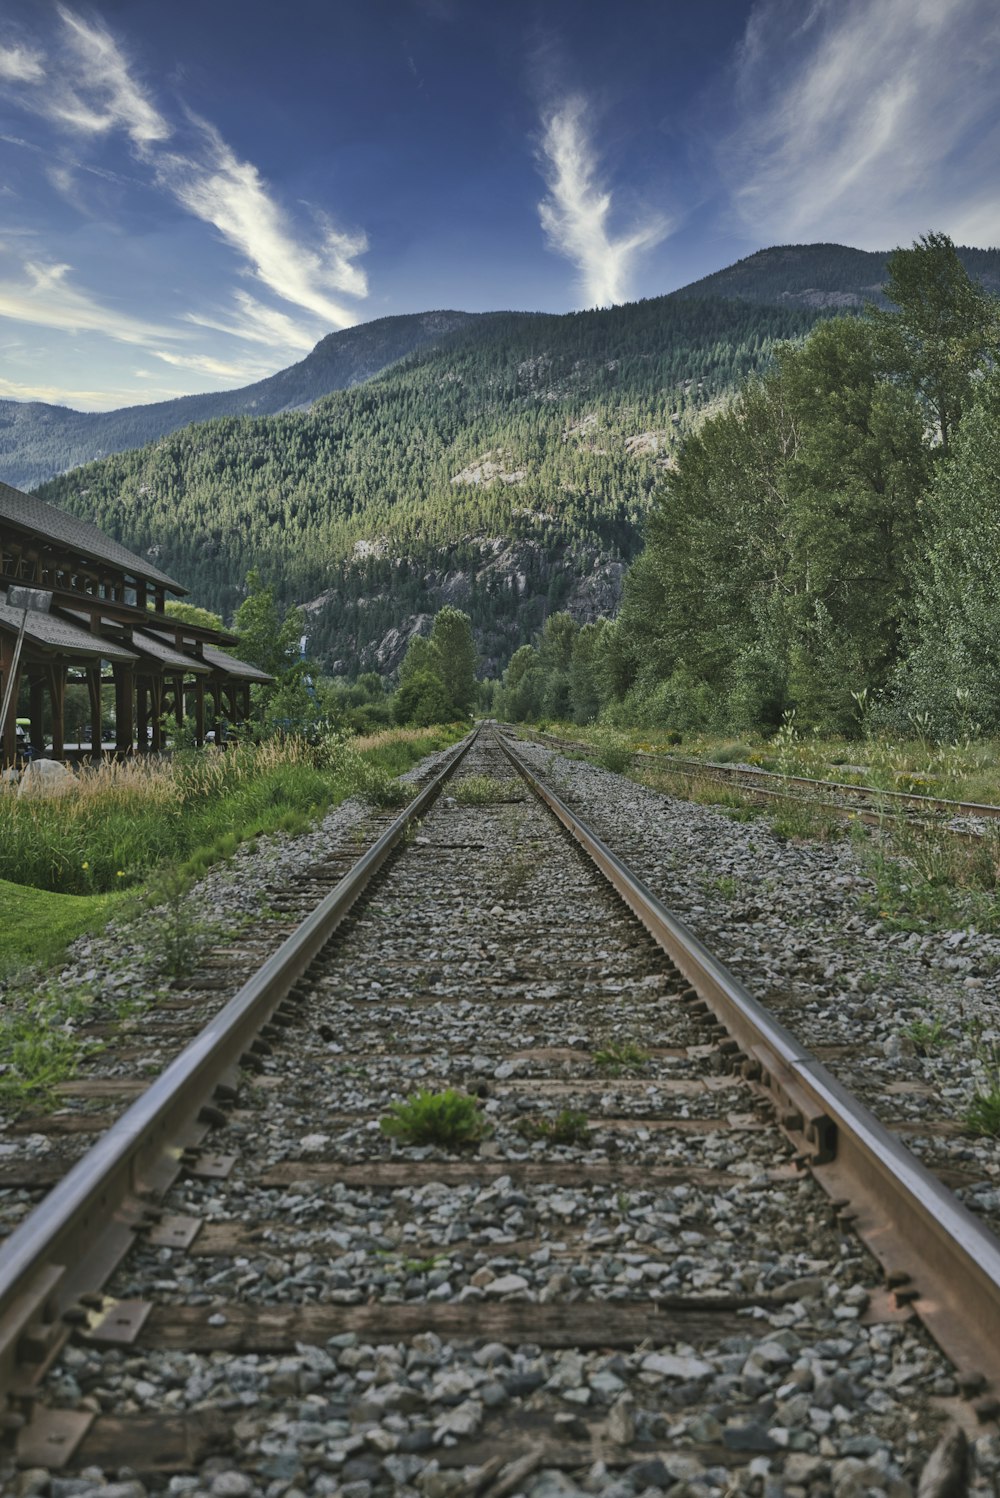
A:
[620,1056]
[449,1119]
[568,1127]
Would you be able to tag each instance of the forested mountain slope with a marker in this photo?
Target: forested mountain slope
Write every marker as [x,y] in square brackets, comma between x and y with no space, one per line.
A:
[505,467]
[38,441]
[506,471]
[833,276]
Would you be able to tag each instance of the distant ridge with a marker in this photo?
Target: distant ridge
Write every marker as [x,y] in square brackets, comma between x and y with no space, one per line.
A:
[503,462]
[38,441]
[823,276]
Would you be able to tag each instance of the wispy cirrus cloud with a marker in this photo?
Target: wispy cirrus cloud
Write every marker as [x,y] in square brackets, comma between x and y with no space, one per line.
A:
[92,90]
[46,297]
[257,323]
[867,121]
[225,369]
[219,188]
[97,92]
[576,214]
[21,65]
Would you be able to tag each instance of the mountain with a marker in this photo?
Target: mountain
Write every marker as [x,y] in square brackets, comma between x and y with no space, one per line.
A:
[38,441]
[505,466]
[833,277]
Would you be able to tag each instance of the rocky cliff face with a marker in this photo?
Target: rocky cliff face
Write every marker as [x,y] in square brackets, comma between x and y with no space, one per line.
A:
[506,580]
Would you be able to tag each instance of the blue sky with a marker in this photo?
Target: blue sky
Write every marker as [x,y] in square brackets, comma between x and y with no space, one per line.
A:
[192,194]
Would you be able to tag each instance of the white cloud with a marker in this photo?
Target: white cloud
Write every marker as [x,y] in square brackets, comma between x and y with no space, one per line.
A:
[576,214]
[221,369]
[21,65]
[45,298]
[231,195]
[867,121]
[91,91]
[105,96]
[81,398]
[258,323]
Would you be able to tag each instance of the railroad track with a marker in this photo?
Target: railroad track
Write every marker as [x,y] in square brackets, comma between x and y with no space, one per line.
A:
[645,1272]
[123,1053]
[865,803]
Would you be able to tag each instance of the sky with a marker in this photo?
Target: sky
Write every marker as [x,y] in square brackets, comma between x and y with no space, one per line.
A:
[193,193]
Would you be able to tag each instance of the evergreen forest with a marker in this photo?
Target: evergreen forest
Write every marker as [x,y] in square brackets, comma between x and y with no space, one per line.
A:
[507,470]
[826,549]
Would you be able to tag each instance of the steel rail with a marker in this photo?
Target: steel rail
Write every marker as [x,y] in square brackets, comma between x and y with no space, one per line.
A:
[72,1241]
[681,765]
[945,1261]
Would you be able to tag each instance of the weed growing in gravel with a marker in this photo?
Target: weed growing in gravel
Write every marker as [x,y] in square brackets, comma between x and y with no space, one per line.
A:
[982,1116]
[516,873]
[925,878]
[927,1035]
[727,885]
[620,1056]
[39,1049]
[449,1119]
[482,790]
[799,820]
[174,930]
[614,752]
[568,1127]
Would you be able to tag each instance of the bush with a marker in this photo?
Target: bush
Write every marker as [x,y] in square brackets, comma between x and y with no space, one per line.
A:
[423,700]
[449,1119]
[481,790]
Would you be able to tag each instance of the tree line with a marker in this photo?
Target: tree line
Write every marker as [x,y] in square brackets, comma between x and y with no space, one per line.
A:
[827,546]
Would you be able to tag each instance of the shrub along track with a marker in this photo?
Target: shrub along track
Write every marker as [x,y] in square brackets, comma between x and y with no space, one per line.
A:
[630,1282]
[968,820]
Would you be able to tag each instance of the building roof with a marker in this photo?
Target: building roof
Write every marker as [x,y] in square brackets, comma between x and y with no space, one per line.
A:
[148,644]
[61,637]
[154,645]
[86,540]
[220,661]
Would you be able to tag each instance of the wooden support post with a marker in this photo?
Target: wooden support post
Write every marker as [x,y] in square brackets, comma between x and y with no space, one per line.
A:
[156,697]
[179,701]
[141,715]
[199,711]
[9,728]
[57,695]
[124,708]
[94,689]
[36,709]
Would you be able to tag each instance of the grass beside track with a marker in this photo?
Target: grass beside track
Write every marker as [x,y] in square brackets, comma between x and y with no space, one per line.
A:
[966,770]
[72,862]
[38,925]
[923,878]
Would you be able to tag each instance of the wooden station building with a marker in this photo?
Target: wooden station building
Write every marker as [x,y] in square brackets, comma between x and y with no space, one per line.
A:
[107,627]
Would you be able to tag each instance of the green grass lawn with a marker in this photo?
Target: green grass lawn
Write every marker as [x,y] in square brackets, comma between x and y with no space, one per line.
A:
[36,925]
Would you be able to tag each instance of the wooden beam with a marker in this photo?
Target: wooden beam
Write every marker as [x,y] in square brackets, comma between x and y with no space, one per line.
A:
[8,730]
[57,695]
[124,719]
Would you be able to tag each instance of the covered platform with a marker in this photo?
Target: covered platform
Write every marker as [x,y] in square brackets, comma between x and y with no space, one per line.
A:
[102,623]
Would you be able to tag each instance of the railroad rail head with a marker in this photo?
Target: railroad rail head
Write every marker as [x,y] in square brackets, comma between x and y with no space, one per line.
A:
[936,1255]
[52,1267]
